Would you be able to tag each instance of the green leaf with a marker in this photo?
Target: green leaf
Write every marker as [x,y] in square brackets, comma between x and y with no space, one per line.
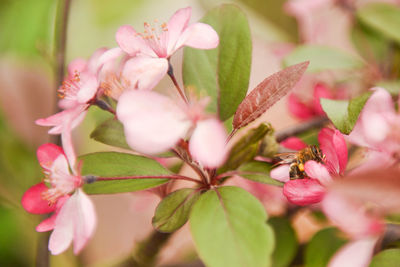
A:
[229,228]
[322,58]
[246,148]
[173,211]
[258,171]
[322,246]
[344,113]
[113,164]
[110,132]
[384,18]
[386,258]
[286,242]
[222,73]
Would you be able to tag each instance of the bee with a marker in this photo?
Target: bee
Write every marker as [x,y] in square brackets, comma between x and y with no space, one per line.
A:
[298,159]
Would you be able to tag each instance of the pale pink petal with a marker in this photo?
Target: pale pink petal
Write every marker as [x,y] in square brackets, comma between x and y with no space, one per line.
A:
[350,216]
[207,144]
[298,108]
[84,220]
[376,129]
[318,172]
[108,56]
[76,65]
[304,7]
[47,154]
[33,202]
[66,139]
[129,41]
[47,224]
[55,120]
[88,90]
[355,254]
[293,143]
[198,35]
[176,24]
[62,235]
[281,173]
[304,191]
[153,123]
[320,91]
[145,72]
[374,160]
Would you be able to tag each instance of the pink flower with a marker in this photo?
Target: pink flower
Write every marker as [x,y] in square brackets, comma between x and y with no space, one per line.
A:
[378,129]
[73,216]
[311,189]
[153,123]
[305,110]
[78,91]
[152,48]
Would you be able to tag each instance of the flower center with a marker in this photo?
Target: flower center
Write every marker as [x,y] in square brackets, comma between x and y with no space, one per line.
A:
[70,87]
[114,86]
[61,184]
[155,37]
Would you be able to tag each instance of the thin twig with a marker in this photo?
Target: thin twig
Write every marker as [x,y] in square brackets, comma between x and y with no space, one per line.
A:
[315,123]
[174,177]
[172,76]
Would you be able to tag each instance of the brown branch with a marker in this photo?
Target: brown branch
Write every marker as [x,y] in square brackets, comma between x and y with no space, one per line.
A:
[315,123]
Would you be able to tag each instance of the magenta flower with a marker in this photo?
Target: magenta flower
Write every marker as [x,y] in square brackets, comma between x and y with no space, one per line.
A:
[152,48]
[73,217]
[378,129]
[153,123]
[311,189]
[305,110]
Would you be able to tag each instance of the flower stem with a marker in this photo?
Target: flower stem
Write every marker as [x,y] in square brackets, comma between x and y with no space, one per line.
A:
[172,177]
[172,76]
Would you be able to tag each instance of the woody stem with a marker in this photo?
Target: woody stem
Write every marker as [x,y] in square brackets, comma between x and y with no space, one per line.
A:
[172,76]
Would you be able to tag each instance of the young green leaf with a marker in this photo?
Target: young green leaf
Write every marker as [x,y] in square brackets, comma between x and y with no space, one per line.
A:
[267,93]
[229,228]
[222,73]
[384,18]
[258,171]
[110,132]
[113,164]
[286,242]
[322,247]
[386,258]
[322,58]
[344,113]
[173,211]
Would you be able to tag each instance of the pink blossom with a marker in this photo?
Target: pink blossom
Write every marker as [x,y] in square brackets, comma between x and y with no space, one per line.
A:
[73,217]
[153,123]
[152,48]
[378,129]
[311,189]
[304,110]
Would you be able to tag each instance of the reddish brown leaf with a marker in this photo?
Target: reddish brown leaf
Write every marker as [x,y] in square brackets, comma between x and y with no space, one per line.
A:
[267,93]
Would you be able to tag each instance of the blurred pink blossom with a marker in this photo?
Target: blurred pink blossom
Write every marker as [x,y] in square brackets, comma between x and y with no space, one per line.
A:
[73,217]
[152,49]
[153,123]
[312,188]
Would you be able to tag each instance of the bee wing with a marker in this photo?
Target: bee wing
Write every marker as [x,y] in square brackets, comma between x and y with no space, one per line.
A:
[286,158]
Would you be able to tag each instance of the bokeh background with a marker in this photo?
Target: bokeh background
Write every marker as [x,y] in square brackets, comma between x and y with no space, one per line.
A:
[28,92]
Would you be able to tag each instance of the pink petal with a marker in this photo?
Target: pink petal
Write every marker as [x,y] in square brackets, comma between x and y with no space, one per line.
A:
[334,147]
[320,91]
[376,129]
[131,43]
[208,143]
[93,62]
[198,35]
[47,224]
[304,191]
[66,139]
[355,254]
[281,173]
[108,56]
[33,202]
[293,143]
[84,220]
[298,108]
[76,65]
[47,154]
[176,24]
[374,160]
[88,90]
[350,216]
[318,172]
[152,122]
[145,72]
